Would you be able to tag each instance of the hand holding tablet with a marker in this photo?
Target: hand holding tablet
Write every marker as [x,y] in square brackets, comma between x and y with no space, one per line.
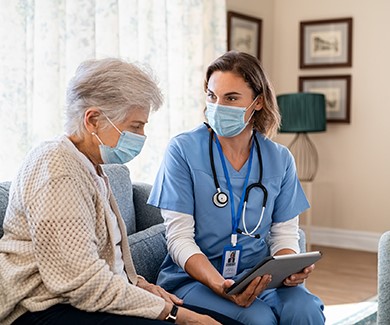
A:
[279,267]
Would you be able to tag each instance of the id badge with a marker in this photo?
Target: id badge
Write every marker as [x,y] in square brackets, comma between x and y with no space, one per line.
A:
[230,260]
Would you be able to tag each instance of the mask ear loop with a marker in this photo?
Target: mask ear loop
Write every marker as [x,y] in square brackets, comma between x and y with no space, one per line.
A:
[253,112]
[250,105]
[97,137]
[120,132]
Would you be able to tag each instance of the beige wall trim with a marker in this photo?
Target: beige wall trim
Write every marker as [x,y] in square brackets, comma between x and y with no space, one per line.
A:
[342,238]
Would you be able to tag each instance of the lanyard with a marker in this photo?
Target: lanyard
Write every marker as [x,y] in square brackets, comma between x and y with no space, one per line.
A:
[235,216]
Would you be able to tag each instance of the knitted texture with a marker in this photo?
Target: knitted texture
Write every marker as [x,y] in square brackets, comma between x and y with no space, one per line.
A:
[57,245]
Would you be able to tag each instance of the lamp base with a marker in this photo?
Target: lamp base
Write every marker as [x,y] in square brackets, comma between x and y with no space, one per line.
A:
[306,156]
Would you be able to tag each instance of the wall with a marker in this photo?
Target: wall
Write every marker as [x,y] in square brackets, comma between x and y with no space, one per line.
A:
[351,191]
[263,9]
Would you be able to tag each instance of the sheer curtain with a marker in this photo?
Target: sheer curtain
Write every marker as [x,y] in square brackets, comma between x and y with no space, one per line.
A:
[43,41]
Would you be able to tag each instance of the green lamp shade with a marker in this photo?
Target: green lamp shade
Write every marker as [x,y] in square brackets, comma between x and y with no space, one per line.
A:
[302,112]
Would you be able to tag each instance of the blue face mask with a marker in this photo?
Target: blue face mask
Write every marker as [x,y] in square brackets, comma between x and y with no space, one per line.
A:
[129,146]
[227,121]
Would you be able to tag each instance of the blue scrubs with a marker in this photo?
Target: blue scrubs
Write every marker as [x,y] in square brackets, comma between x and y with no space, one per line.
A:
[185,184]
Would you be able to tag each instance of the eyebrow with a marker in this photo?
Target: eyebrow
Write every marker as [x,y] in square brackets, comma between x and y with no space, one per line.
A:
[138,122]
[227,94]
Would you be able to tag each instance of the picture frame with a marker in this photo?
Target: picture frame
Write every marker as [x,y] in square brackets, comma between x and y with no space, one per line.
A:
[337,91]
[326,43]
[244,33]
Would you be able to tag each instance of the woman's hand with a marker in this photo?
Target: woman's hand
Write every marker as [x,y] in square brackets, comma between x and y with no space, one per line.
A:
[158,291]
[246,298]
[298,278]
[185,316]
[189,317]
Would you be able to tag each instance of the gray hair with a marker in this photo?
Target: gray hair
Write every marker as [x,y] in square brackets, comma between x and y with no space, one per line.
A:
[113,85]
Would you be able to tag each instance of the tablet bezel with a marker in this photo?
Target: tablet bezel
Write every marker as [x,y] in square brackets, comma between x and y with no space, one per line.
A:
[280,267]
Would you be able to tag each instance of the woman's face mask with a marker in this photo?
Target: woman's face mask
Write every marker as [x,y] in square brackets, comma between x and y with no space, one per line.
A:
[129,146]
[227,121]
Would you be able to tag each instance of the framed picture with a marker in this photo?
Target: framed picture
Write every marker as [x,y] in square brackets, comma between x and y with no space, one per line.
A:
[244,33]
[326,43]
[337,91]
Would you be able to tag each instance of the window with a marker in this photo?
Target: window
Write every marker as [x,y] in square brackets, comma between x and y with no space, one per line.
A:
[44,41]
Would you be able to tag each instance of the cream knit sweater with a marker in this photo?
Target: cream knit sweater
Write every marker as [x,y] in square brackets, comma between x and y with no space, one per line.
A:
[58,244]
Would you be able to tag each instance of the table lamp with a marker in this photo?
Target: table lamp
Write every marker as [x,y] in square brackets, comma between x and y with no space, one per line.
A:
[302,113]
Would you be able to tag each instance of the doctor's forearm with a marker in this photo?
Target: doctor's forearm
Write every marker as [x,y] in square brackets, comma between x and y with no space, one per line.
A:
[285,251]
[200,268]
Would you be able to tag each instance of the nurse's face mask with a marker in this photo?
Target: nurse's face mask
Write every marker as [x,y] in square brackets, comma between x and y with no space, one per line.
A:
[227,121]
[129,145]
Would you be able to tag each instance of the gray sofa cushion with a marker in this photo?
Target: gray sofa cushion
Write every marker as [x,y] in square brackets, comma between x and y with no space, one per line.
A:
[119,177]
[145,215]
[148,250]
[4,192]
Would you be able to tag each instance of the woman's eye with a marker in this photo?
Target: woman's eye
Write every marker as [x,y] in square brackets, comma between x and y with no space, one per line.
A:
[231,99]
[211,96]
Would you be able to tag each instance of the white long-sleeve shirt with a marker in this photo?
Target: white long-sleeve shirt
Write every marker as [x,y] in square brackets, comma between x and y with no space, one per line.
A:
[180,232]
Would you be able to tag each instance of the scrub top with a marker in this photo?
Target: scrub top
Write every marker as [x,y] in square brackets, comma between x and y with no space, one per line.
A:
[185,184]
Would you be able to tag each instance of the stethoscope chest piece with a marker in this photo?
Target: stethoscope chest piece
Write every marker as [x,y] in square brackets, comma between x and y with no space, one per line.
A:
[220,199]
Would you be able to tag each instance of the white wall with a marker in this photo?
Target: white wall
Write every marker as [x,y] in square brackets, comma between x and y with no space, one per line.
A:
[351,192]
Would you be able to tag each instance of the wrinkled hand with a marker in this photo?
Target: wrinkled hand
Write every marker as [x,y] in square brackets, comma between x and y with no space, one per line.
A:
[158,291]
[188,317]
[248,296]
[298,278]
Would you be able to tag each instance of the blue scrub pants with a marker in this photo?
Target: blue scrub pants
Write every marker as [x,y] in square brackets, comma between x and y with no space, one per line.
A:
[284,306]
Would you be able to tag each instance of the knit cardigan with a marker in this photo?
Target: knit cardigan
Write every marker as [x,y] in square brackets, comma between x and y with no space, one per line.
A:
[58,244]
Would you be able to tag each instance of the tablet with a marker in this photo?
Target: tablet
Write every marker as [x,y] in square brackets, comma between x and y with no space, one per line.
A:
[279,267]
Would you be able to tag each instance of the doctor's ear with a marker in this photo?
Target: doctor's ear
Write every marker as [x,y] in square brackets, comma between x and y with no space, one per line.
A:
[259,103]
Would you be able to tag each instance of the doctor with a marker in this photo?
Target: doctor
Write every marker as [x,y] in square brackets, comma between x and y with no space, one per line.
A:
[224,187]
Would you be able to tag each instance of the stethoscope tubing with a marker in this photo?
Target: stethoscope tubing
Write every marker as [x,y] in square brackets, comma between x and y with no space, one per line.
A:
[258,184]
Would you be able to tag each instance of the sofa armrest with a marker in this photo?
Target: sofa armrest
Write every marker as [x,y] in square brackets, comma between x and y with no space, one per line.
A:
[302,240]
[4,193]
[145,214]
[384,279]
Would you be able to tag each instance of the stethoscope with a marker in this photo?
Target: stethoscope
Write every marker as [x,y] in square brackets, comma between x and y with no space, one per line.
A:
[220,198]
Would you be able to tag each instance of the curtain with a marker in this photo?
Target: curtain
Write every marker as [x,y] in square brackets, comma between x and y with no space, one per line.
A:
[43,41]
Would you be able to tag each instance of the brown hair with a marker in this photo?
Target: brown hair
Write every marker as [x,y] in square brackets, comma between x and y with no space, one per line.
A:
[266,120]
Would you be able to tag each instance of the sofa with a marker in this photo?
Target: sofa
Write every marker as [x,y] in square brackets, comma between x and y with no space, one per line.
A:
[145,228]
[383,313]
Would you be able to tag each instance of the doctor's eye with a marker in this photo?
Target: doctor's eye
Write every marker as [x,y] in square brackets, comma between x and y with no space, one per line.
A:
[231,98]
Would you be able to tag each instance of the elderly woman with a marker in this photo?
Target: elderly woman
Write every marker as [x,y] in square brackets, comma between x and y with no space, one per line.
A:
[64,256]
